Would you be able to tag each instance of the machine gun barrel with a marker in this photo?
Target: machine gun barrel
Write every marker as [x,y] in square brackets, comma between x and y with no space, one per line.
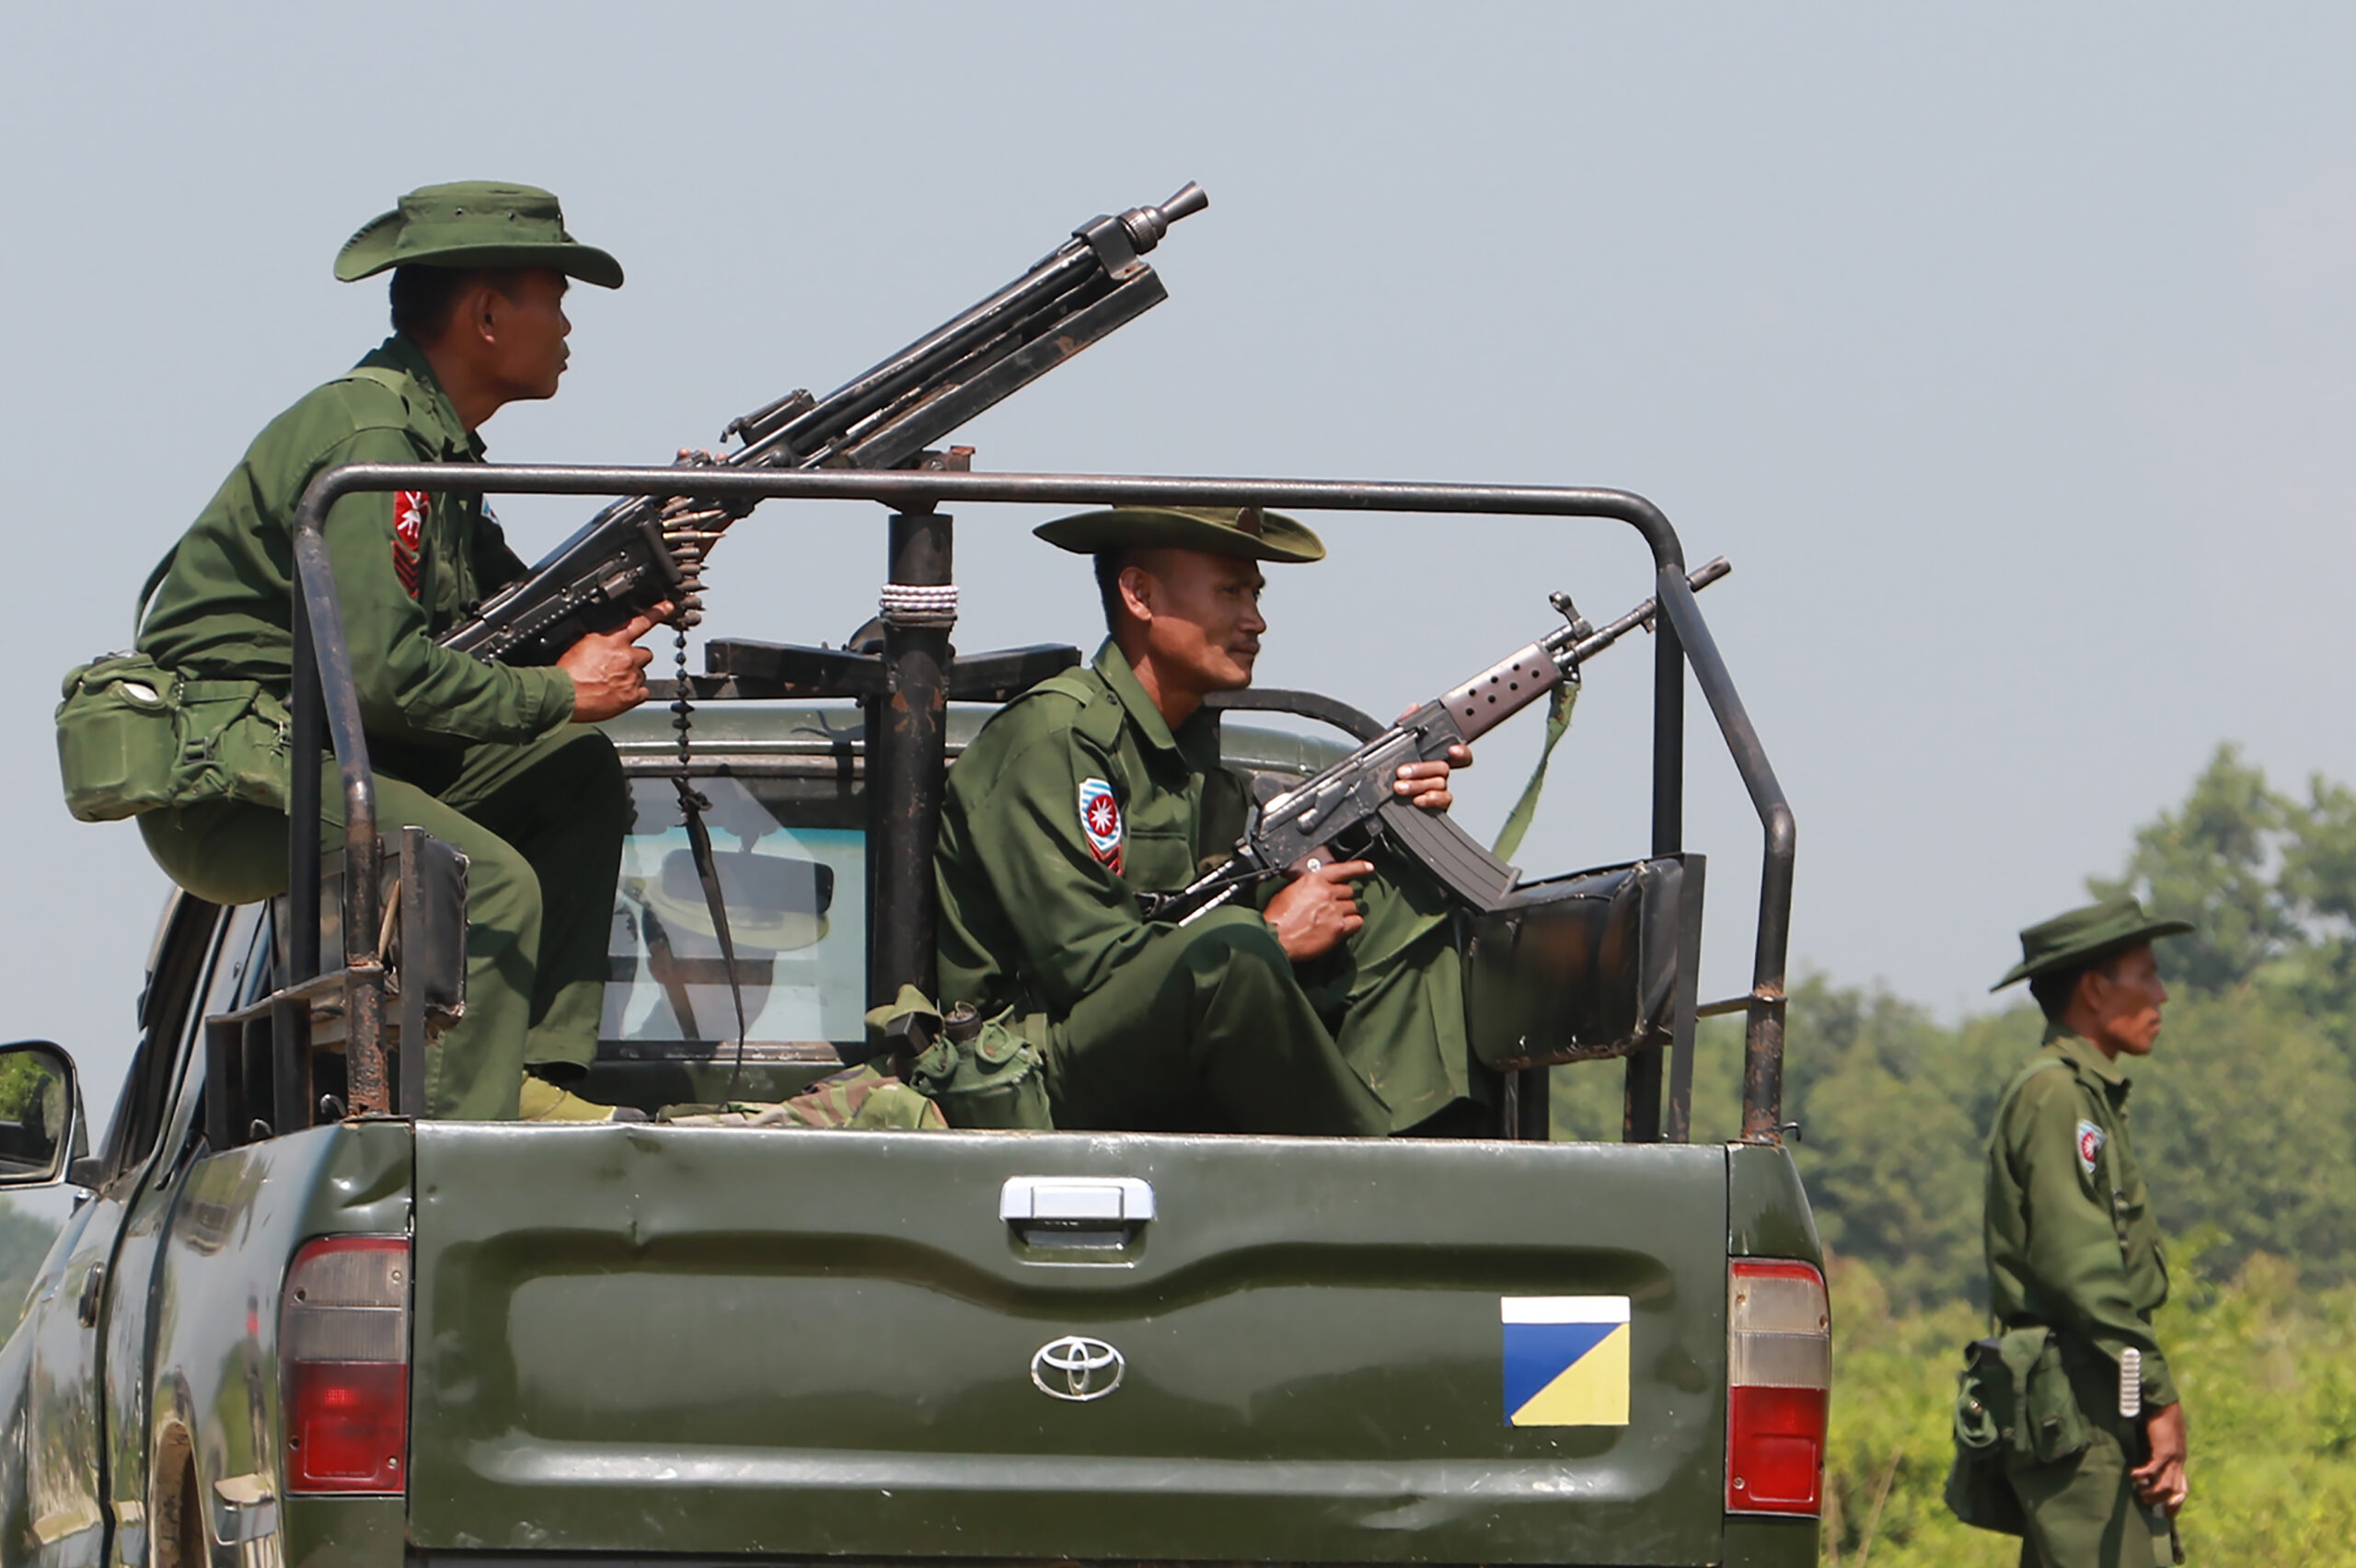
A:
[640,551]
[1100,250]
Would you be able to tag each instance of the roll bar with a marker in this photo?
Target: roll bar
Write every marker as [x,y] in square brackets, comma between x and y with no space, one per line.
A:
[326,707]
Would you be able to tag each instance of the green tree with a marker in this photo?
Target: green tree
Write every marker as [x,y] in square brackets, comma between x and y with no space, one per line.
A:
[2243,1122]
[2319,878]
[2215,861]
[1886,1146]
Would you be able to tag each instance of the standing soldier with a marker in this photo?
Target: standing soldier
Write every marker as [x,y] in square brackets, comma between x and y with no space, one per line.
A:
[2074,1248]
[499,760]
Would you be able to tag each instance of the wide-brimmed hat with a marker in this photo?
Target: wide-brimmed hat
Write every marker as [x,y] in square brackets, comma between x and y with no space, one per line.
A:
[776,903]
[2083,935]
[1223,530]
[476,222]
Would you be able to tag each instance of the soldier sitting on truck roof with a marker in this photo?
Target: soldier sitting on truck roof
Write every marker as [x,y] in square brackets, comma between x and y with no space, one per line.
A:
[499,760]
[1327,1010]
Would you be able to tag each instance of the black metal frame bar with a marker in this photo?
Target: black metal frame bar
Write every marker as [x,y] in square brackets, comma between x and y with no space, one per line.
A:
[326,703]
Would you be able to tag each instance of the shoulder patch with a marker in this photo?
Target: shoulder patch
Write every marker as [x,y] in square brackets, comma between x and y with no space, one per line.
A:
[1100,821]
[2090,1141]
[409,508]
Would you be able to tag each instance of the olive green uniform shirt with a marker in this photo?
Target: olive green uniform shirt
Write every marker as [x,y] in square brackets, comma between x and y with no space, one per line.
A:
[2073,1243]
[406,569]
[1032,916]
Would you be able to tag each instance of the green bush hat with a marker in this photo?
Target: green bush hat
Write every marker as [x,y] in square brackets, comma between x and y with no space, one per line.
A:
[476,222]
[2083,935]
[1222,530]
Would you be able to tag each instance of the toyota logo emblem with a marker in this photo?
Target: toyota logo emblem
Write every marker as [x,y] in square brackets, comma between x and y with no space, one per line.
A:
[1077,1368]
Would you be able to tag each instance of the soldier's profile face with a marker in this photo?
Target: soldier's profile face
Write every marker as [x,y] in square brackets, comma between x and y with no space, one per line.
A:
[526,333]
[2126,1001]
[1205,616]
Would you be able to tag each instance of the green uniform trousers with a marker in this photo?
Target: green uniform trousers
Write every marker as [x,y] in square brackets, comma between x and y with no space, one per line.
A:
[541,826]
[1213,1028]
[2082,1511]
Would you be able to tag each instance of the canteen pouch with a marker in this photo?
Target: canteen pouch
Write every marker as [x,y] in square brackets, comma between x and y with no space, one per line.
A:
[132,736]
[995,1078]
[118,737]
[1990,1403]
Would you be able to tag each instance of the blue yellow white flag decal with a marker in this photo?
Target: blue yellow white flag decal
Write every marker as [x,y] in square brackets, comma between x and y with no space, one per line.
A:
[1566,1360]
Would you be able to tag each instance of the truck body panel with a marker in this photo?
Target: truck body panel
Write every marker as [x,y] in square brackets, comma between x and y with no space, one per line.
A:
[826,1341]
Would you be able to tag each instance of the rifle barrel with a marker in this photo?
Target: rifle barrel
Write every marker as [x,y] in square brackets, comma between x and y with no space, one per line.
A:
[1595,642]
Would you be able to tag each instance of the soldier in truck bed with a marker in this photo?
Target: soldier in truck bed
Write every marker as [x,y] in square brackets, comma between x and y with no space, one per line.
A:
[499,760]
[1329,1009]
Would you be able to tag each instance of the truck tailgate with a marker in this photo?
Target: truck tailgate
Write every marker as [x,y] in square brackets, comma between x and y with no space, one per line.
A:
[699,1340]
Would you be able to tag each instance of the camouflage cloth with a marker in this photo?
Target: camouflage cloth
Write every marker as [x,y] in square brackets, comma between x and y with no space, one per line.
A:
[860,1098]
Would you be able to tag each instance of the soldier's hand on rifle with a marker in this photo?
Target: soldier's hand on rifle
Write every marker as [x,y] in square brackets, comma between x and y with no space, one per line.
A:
[1318,910]
[1427,782]
[608,670]
[2161,1480]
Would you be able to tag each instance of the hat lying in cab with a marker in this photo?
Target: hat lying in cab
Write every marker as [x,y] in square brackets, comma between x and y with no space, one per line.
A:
[2072,940]
[476,222]
[1222,530]
[776,903]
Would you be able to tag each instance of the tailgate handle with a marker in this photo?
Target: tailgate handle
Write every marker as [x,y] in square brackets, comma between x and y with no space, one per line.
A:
[1076,1211]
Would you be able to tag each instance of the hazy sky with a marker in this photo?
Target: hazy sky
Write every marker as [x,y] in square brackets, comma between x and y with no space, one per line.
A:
[2005,350]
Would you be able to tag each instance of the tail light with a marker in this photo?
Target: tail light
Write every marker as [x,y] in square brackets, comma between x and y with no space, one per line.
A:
[1779,1379]
[343,1341]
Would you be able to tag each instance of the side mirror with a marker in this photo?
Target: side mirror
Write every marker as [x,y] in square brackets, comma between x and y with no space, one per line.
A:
[41,1114]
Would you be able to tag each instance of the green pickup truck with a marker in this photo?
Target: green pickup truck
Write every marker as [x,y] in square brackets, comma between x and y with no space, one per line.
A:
[307,1329]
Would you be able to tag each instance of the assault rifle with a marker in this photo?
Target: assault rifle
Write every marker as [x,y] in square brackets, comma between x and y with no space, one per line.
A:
[642,551]
[1352,804]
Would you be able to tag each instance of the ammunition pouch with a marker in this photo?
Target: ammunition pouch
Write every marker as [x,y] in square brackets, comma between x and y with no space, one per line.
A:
[133,736]
[2058,1427]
